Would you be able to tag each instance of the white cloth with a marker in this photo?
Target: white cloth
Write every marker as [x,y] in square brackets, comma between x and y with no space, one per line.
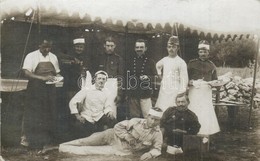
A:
[146,105]
[201,104]
[34,58]
[174,81]
[95,103]
[111,89]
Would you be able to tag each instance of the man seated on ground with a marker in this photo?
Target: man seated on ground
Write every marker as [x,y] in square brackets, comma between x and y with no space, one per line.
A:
[178,121]
[125,138]
[95,114]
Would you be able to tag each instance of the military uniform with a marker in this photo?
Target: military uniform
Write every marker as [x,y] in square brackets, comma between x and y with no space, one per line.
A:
[203,108]
[72,72]
[175,119]
[110,63]
[198,69]
[139,91]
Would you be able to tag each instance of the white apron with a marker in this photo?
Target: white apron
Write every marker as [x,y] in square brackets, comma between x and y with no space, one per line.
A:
[201,104]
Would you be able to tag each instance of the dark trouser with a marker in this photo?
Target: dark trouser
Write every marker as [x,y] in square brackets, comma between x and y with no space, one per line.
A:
[105,122]
[174,138]
[40,114]
[81,130]
[232,117]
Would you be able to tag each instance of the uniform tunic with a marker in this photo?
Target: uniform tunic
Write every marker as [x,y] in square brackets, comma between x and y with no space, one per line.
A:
[176,119]
[175,80]
[72,72]
[139,91]
[203,108]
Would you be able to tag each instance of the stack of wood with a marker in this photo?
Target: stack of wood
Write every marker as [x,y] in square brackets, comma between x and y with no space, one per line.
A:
[238,90]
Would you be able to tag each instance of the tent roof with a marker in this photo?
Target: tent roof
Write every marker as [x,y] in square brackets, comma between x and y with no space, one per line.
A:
[227,17]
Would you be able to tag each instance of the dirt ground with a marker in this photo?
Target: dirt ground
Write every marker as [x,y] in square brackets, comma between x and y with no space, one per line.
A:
[239,144]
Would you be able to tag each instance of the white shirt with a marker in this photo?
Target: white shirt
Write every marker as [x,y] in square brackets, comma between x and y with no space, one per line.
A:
[95,103]
[34,58]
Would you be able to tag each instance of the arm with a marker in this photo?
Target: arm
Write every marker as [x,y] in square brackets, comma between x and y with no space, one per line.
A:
[31,75]
[190,83]
[78,98]
[184,77]
[193,124]
[56,64]
[156,149]
[159,67]
[214,74]
[108,107]
[123,128]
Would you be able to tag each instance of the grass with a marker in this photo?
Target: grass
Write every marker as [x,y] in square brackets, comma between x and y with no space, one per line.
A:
[242,72]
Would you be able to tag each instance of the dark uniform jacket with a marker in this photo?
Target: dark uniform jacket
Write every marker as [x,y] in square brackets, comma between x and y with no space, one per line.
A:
[185,120]
[136,67]
[198,69]
[71,71]
[110,63]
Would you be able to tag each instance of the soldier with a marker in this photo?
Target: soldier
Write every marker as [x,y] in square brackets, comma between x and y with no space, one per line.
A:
[74,65]
[140,74]
[178,121]
[112,63]
[201,71]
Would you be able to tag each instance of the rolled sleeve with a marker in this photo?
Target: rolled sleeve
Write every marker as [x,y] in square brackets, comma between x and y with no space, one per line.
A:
[78,98]
[56,65]
[28,63]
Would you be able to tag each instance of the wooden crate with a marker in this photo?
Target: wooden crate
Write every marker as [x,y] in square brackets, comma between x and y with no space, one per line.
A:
[195,143]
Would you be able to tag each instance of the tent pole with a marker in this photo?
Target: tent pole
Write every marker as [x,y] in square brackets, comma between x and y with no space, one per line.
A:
[253,86]
[39,20]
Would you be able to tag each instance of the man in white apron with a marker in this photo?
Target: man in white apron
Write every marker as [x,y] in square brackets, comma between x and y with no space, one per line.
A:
[39,67]
[174,75]
[202,70]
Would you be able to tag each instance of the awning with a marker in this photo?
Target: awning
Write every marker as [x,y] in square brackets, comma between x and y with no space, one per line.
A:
[214,17]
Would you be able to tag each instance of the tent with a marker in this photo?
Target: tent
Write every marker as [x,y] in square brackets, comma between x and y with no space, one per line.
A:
[212,19]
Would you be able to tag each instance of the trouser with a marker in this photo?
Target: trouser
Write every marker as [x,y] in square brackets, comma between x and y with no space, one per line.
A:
[98,143]
[139,107]
[81,130]
[174,138]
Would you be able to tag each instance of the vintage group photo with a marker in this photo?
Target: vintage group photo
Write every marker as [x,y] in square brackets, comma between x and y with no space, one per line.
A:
[111,80]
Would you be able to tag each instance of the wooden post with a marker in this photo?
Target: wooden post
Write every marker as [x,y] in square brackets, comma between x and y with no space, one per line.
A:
[253,86]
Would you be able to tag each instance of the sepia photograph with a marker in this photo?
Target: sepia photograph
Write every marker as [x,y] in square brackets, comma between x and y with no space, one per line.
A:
[128,80]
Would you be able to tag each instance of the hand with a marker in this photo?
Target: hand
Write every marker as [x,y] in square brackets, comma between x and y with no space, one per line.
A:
[110,115]
[80,118]
[47,78]
[117,100]
[160,76]
[77,61]
[146,156]
[144,77]
[190,83]
[131,140]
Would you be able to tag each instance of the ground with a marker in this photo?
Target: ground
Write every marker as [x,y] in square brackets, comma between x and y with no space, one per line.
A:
[240,144]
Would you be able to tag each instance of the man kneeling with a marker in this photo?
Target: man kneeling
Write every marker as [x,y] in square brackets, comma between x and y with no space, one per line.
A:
[125,138]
